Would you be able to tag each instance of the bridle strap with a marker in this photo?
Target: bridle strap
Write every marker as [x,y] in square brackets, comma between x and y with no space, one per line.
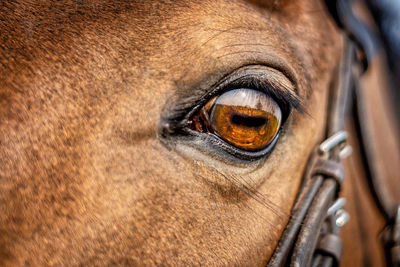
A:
[312,234]
[341,12]
[311,237]
[386,204]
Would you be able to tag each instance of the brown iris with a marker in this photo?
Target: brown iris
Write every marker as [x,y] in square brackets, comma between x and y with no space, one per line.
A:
[246,118]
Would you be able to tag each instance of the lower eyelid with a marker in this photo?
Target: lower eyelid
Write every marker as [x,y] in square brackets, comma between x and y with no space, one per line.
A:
[216,147]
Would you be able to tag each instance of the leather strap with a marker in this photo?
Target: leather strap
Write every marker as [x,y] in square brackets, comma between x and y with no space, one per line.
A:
[311,237]
[330,168]
[298,245]
[331,245]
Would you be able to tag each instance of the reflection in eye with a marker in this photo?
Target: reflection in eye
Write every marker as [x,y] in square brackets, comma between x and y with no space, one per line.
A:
[246,118]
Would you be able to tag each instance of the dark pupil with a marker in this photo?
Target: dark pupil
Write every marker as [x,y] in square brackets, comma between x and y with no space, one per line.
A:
[248,121]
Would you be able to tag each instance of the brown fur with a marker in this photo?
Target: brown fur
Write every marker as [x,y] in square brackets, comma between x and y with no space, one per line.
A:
[85,176]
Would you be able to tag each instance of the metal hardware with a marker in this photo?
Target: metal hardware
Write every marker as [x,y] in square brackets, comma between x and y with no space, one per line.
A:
[342,217]
[345,152]
[336,210]
[333,141]
[339,204]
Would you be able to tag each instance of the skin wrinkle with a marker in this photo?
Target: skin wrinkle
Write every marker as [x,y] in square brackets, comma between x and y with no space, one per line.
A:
[131,138]
[88,189]
[248,189]
[253,192]
[237,194]
[234,40]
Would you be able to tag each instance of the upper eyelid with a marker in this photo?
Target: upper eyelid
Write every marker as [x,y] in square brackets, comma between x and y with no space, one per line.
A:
[271,81]
[278,91]
[262,78]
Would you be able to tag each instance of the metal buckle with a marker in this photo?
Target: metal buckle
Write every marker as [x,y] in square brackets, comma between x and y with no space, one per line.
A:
[337,139]
[336,210]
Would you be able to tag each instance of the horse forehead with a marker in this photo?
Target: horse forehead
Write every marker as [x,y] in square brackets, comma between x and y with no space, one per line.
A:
[70,37]
[49,27]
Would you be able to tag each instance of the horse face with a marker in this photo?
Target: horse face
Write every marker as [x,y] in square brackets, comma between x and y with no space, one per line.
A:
[93,170]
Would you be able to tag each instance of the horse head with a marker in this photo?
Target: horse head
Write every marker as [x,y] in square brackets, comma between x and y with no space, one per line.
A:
[123,128]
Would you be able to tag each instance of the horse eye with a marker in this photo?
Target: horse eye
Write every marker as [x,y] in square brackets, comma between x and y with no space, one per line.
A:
[245,118]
